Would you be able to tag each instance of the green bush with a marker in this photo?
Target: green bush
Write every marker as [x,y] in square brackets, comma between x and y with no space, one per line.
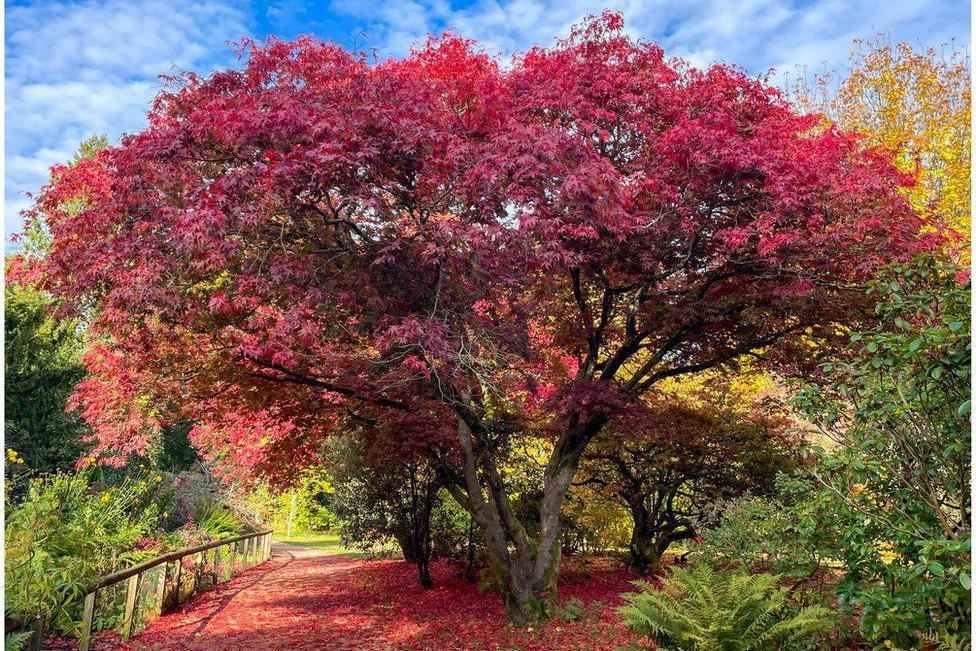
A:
[704,609]
[889,497]
[42,365]
[15,641]
[67,532]
[759,534]
[217,519]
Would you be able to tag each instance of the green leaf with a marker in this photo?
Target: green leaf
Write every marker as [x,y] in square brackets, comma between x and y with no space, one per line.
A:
[964,408]
[965,580]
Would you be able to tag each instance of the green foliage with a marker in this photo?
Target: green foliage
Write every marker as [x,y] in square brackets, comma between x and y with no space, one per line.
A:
[15,641]
[455,536]
[172,450]
[380,502]
[307,507]
[889,494]
[946,641]
[759,534]
[573,610]
[197,508]
[217,519]
[720,610]
[66,532]
[41,367]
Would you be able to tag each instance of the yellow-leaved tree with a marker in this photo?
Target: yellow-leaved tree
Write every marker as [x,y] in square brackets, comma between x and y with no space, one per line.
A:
[913,102]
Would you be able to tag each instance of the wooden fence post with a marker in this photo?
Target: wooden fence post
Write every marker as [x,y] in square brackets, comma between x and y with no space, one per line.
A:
[233,554]
[161,590]
[216,565]
[87,619]
[131,592]
[247,541]
[177,580]
[37,635]
[198,574]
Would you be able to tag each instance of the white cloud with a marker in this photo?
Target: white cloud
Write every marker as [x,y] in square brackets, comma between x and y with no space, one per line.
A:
[758,34]
[85,67]
[75,68]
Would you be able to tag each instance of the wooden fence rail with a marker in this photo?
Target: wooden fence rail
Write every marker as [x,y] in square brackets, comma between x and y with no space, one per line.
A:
[167,590]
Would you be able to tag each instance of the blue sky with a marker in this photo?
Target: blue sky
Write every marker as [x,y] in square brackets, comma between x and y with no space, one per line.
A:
[76,68]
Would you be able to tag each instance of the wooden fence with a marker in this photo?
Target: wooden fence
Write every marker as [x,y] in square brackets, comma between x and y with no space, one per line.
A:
[159,584]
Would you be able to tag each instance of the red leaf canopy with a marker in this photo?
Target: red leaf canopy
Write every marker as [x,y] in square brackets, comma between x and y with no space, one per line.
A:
[315,240]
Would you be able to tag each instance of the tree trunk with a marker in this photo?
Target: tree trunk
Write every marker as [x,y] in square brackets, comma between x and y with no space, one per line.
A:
[647,544]
[405,541]
[422,533]
[291,514]
[524,570]
[653,533]
[412,531]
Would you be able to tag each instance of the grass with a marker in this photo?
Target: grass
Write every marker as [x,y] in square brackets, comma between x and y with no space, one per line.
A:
[325,541]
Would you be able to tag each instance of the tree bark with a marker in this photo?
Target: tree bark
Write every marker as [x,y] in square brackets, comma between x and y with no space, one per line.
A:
[406,543]
[652,534]
[525,570]
[647,545]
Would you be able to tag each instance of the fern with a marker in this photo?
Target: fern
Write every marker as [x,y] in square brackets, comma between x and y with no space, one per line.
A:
[720,610]
[944,641]
[16,641]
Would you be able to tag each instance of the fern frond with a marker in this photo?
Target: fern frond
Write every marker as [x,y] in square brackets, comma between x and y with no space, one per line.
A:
[704,609]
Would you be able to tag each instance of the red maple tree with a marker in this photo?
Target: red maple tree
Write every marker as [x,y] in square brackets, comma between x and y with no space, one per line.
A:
[455,254]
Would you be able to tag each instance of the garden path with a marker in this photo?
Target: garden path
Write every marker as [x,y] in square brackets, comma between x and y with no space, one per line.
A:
[304,598]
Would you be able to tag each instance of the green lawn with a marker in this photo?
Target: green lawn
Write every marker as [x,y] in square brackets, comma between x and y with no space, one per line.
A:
[327,542]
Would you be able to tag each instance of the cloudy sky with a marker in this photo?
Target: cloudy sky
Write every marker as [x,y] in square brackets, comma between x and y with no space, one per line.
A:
[76,68]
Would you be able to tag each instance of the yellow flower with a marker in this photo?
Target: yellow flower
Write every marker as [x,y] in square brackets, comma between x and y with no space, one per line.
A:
[13,457]
[159,478]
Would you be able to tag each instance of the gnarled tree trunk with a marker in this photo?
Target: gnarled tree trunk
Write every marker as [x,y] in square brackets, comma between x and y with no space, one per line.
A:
[525,569]
[404,539]
[655,529]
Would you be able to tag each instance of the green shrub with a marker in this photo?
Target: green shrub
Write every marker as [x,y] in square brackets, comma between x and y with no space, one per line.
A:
[15,641]
[217,519]
[759,534]
[720,610]
[889,497]
[65,533]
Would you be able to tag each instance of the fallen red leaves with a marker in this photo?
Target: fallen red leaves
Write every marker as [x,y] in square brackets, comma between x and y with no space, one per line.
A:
[334,602]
